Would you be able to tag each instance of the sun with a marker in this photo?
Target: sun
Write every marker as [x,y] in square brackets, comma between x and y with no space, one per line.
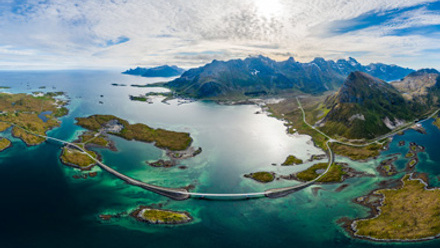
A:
[268,8]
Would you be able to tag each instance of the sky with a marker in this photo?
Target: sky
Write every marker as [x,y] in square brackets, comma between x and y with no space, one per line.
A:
[113,34]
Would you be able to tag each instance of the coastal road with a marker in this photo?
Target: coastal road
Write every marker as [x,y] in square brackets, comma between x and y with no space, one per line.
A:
[183,194]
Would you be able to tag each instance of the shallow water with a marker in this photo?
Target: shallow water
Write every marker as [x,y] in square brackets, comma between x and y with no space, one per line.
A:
[43,205]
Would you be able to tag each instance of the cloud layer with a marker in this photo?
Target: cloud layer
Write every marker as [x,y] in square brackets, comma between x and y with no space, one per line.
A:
[62,34]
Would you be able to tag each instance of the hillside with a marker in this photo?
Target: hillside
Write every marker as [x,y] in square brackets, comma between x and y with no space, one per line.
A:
[366,107]
[260,76]
[420,86]
[160,71]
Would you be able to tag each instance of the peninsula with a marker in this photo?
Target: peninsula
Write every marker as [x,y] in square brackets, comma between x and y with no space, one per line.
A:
[407,213]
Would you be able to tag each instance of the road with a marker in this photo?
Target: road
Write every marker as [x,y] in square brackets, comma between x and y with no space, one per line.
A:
[183,194]
[375,140]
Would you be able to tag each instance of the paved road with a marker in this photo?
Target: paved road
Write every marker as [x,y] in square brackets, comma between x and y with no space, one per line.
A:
[375,140]
[183,194]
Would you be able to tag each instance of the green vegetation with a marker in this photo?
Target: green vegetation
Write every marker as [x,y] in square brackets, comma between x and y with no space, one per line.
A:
[4,126]
[291,160]
[5,87]
[175,141]
[410,155]
[4,143]
[76,158]
[158,216]
[357,153]
[363,105]
[138,98]
[386,167]
[408,213]
[262,176]
[437,122]
[60,112]
[310,173]
[412,162]
[335,173]
[27,138]
[90,138]
[22,110]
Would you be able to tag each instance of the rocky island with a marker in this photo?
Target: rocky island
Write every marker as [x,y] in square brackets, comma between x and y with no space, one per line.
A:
[262,176]
[159,216]
[164,139]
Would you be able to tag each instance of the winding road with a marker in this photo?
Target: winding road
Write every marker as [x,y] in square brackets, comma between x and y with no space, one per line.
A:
[183,194]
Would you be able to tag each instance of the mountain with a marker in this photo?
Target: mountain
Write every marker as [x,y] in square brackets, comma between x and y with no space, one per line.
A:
[255,76]
[160,71]
[366,107]
[421,86]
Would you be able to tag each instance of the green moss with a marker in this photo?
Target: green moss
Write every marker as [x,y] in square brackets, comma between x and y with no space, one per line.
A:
[77,158]
[4,143]
[291,160]
[437,122]
[157,216]
[262,176]
[357,153]
[138,98]
[175,141]
[60,112]
[334,174]
[4,126]
[310,173]
[22,110]
[407,213]
[410,155]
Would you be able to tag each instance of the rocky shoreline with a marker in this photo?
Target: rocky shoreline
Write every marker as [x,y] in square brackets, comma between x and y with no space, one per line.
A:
[374,201]
[164,217]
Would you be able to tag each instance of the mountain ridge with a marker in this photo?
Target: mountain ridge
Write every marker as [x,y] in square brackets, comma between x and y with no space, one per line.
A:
[256,76]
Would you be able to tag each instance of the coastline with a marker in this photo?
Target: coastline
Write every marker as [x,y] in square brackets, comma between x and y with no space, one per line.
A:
[350,226]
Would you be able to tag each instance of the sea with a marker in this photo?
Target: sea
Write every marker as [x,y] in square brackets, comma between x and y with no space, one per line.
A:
[44,204]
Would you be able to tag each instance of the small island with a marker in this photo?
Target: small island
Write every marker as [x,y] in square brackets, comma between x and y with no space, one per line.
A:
[164,139]
[73,157]
[148,97]
[338,172]
[292,160]
[159,216]
[387,167]
[262,176]
[407,213]
[413,155]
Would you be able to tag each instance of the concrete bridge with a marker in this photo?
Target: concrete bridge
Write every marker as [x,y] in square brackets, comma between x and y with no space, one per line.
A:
[183,194]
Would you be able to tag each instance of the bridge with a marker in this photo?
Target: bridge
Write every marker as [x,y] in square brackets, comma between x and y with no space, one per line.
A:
[183,194]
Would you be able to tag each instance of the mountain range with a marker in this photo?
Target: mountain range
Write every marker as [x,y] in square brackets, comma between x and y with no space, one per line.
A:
[160,71]
[256,76]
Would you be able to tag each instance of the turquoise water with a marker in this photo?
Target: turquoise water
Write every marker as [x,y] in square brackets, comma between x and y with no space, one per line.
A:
[43,206]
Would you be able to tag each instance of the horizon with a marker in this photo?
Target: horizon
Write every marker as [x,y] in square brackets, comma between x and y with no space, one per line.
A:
[96,35]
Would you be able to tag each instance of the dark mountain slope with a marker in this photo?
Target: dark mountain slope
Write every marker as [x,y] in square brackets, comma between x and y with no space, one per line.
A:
[260,75]
[366,107]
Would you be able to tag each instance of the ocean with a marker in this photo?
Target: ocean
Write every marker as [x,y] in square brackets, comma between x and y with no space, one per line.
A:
[43,205]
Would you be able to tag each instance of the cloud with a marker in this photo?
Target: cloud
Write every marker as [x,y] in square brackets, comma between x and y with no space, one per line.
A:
[122,33]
